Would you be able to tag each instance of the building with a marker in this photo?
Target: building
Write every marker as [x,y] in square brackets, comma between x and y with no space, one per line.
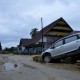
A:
[51,33]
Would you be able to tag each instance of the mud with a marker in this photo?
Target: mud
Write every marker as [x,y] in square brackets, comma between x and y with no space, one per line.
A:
[29,66]
[30,70]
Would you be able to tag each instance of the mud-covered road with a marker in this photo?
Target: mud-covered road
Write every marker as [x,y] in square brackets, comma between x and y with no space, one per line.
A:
[27,69]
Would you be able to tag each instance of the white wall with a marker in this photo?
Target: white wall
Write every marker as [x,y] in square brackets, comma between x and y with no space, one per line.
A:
[44,39]
[22,48]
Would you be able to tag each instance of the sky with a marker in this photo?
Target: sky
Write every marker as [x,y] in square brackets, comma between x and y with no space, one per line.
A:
[18,17]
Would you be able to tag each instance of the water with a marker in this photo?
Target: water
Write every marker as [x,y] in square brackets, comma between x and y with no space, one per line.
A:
[10,66]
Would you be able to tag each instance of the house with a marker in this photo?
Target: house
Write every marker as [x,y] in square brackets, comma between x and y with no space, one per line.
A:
[51,33]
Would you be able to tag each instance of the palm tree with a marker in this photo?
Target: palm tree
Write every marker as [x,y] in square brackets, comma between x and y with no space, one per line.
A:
[33,32]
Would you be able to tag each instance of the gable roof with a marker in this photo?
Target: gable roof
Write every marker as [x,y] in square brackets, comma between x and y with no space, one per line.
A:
[38,36]
[24,42]
[73,32]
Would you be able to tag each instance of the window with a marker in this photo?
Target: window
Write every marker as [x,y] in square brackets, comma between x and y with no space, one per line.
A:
[58,43]
[70,39]
[79,36]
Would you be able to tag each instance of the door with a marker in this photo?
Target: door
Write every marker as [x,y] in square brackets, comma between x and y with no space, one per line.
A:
[57,48]
[71,44]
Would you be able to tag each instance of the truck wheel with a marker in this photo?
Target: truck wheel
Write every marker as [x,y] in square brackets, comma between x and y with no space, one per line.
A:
[47,59]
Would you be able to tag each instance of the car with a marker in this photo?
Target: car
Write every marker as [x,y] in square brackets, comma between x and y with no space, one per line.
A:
[66,47]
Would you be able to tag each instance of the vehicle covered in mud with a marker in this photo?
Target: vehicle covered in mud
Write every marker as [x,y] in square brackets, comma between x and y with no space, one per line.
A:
[67,47]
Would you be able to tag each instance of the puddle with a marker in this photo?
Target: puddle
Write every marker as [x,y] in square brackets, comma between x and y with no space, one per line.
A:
[11,66]
[14,66]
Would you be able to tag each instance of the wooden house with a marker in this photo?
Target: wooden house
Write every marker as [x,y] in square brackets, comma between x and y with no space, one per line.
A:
[51,33]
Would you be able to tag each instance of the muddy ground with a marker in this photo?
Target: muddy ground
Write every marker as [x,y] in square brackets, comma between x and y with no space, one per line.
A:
[27,69]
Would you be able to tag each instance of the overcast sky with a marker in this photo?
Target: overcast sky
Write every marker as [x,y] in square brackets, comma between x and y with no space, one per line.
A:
[18,17]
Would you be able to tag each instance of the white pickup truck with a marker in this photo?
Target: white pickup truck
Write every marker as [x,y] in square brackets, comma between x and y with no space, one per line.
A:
[68,46]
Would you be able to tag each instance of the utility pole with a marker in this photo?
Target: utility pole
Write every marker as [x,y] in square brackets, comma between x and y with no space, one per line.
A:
[42,32]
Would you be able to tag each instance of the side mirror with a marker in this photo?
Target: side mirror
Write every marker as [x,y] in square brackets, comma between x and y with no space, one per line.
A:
[52,47]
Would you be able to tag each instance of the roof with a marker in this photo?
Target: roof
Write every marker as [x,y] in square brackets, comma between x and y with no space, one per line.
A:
[71,34]
[38,36]
[47,28]
[75,32]
[25,41]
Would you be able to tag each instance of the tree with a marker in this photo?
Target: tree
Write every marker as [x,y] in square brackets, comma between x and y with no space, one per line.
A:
[11,49]
[0,46]
[33,32]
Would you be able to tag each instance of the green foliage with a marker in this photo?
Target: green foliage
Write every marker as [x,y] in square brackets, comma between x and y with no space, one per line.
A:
[12,49]
[33,32]
[0,46]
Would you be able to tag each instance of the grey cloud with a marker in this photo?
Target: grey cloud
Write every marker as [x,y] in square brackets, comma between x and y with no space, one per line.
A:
[18,17]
